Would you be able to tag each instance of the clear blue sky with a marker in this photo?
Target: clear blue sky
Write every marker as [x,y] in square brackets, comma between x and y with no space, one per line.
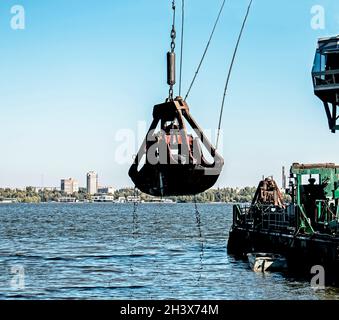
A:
[83,70]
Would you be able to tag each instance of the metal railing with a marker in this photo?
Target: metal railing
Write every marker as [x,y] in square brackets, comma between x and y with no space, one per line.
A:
[294,217]
[264,217]
[326,79]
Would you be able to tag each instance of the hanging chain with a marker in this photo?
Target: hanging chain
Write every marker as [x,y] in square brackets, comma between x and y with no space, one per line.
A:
[173,37]
[201,239]
[135,213]
[173,32]
[171,94]
[135,232]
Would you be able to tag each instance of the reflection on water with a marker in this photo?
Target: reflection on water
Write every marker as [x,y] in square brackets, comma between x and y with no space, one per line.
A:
[110,251]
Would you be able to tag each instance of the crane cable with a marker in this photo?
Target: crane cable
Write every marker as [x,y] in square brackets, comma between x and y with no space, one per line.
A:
[230,71]
[206,49]
[182,42]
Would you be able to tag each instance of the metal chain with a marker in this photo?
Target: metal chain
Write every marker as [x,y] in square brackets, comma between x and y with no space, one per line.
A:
[135,213]
[173,32]
[173,37]
[135,232]
[171,93]
[201,239]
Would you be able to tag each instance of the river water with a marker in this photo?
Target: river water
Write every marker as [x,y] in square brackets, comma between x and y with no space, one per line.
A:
[111,251]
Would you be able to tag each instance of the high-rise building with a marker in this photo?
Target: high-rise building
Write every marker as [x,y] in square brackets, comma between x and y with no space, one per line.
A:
[69,186]
[92,182]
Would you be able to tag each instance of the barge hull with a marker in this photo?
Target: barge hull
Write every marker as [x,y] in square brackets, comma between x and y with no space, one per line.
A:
[301,251]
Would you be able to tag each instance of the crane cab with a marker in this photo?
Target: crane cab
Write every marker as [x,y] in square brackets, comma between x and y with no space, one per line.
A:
[325,76]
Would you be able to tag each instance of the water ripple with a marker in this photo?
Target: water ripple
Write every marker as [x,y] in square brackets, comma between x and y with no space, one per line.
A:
[103,251]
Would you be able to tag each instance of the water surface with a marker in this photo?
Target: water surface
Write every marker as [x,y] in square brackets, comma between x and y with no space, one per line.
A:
[108,251]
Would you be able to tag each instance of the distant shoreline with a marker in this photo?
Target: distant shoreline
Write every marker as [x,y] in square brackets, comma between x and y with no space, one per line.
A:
[129,195]
[117,203]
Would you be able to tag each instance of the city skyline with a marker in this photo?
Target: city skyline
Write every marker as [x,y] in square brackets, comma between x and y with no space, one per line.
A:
[71,183]
[93,73]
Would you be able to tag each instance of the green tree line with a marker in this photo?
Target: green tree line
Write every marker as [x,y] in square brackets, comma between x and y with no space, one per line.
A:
[29,195]
[213,195]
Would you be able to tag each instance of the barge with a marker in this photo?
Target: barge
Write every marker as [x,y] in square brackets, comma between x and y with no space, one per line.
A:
[305,230]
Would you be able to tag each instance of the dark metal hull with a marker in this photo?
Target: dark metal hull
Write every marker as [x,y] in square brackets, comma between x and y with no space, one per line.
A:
[302,251]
